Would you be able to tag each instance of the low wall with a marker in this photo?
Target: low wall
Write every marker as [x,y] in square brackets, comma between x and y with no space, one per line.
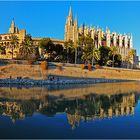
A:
[34,71]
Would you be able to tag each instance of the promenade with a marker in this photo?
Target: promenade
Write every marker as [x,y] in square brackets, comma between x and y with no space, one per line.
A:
[21,72]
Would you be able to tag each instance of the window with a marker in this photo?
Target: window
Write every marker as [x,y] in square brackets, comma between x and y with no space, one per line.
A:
[5,37]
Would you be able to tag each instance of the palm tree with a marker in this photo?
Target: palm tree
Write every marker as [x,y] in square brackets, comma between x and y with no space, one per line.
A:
[96,55]
[113,52]
[86,55]
[2,49]
[27,47]
[70,49]
[132,52]
[14,43]
[130,56]
[81,41]
[75,46]
[85,43]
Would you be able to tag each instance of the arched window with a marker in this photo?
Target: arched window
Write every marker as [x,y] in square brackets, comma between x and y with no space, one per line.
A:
[5,37]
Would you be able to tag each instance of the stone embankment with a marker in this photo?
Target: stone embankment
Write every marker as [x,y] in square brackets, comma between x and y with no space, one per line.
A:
[31,82]
[37,72]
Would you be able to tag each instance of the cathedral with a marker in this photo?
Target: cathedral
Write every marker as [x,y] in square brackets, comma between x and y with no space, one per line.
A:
[99,36]
[72,32]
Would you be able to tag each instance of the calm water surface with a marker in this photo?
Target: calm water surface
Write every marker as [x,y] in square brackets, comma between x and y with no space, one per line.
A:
[95,111]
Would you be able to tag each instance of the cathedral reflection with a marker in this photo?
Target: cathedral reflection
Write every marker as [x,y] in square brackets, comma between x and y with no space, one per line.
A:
[82,108]
[99,107]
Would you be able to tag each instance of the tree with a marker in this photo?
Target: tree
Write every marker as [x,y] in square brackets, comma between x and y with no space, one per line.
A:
[132,53]
[80,46]
[54,52]
[28,50]
[75,46]
[69,45]
[81,41]
[129,57]
[113,52]
[87,47]
[118,60]
[47,46]
[104,55]
[14,43]
[25,50]
[2,49]
[86,56]
[60,53]
[96,54]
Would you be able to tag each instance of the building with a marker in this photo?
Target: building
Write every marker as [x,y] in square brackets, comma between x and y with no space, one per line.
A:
[72,32]
[55,41]
[99,36]
[136,61]
[5,41]
[71,28]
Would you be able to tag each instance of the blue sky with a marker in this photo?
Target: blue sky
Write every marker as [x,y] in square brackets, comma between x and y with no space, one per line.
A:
[47,19]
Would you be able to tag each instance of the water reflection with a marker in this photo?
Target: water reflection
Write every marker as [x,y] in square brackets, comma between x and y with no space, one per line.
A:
[86,105]
[100,107]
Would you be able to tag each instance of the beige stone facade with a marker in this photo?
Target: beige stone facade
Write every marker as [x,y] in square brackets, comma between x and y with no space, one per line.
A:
[99,36]
[71,29]
[55,41]
[5,41]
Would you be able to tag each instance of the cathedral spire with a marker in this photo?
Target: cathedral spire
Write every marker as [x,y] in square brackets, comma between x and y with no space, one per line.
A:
[13,23]
[76,21]
[12,27]
[70,12]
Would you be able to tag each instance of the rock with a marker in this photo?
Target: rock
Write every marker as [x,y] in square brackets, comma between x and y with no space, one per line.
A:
[31,82]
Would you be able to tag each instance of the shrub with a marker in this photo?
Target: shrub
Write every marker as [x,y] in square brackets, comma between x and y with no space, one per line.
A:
[44,65]
[89,67]
[98,67]
[30,62]
[83,66]
[59,67]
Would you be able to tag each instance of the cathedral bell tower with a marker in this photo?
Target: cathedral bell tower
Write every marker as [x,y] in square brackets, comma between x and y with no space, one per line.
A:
[70,20]
[71,28]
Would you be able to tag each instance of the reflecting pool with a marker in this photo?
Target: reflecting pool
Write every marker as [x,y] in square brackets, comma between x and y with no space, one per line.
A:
[110,110]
